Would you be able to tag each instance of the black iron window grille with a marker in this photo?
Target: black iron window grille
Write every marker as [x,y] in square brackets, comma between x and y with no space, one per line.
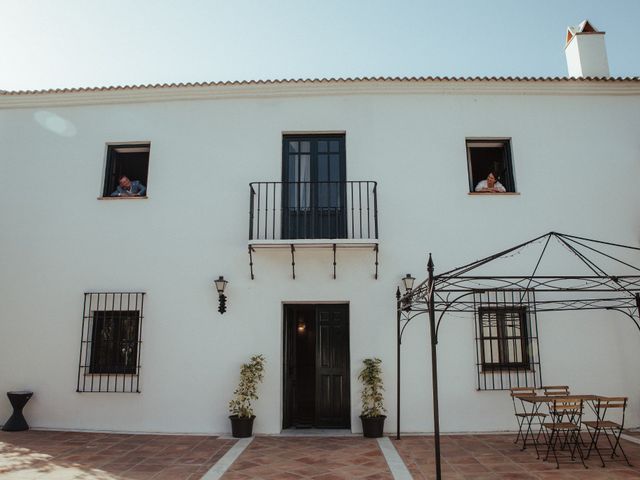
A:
[111,339]
[507,340]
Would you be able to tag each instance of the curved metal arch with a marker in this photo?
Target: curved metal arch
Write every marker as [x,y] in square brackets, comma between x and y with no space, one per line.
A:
[406,322]
[449,305]
[635,322]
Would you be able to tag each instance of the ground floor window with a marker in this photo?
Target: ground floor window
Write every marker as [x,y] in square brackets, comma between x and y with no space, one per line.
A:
[110,345]
[504,335]
[507,340]
[114,341]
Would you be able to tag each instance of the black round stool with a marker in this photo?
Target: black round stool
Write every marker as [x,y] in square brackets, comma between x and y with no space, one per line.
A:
[16,422]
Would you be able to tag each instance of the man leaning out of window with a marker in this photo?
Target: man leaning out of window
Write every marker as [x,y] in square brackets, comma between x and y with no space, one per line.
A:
[127,188]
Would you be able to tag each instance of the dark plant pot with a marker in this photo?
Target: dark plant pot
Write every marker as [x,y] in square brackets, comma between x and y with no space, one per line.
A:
[241,427]
[373,427]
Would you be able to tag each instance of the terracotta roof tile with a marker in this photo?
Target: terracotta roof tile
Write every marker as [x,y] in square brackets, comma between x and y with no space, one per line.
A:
[321,80]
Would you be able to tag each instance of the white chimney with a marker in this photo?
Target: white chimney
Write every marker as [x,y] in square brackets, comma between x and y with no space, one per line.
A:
[586,52]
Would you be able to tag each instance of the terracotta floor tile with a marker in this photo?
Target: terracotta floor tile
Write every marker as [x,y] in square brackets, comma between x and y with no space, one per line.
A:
[506,468]
[286,476]
[52,455]
[235,476]
[315,457]
[463,460]
[332,476]
[64,455]
[557,475]
[138,475]
[502,476]
[471,468]
[491,459]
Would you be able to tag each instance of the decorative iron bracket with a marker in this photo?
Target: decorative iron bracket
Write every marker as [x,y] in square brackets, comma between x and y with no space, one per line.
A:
[251,261]
[334,261]
[334,249]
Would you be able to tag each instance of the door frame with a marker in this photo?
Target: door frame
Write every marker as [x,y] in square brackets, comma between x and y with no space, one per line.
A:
[284,401]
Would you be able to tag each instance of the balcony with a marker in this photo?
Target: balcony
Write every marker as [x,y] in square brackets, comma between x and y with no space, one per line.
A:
[313,215]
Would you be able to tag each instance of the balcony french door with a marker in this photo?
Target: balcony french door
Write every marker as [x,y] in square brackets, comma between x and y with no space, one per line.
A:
[314,189]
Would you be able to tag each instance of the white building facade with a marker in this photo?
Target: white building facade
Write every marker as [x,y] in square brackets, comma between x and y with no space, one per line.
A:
[570,163]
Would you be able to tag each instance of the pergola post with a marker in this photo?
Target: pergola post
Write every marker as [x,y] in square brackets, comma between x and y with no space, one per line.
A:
[399,341]
[434,366]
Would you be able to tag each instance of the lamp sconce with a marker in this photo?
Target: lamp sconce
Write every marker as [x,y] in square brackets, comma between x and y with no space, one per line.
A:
[220,284]
[408,281]
[302,326]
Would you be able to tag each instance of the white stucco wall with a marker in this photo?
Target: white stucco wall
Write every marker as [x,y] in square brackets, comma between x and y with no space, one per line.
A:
[576,163]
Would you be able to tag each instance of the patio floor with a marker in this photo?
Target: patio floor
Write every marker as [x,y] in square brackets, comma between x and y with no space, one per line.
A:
[73,455]
[320,458]
[48,455]
[493,457]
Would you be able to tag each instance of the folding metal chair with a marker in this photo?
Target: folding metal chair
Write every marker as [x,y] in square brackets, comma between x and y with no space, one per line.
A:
[525,418]
[610,428]
[563,434]
[556,390]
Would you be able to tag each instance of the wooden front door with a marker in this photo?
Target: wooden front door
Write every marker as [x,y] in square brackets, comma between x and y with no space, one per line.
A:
[332,366]
[316,366]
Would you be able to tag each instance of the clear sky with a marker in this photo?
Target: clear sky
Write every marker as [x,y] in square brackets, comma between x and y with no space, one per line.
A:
[82,43]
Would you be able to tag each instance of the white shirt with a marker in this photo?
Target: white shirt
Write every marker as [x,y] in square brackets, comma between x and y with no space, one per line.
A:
[497,186]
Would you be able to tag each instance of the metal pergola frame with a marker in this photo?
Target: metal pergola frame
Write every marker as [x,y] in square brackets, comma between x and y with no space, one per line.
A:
[451,291]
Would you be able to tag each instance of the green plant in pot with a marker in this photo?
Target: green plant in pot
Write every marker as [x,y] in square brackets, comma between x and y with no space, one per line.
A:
[251,374]
[372,400]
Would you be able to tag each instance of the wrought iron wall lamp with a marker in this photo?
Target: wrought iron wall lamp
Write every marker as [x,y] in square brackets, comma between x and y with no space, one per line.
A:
[220,284]
[408,281]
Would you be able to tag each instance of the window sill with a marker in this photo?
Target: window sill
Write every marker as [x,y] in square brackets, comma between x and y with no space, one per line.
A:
[124,198]
[488,371]
[497,194]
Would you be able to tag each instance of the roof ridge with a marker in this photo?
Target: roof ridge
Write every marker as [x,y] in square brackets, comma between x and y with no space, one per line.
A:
[319,80]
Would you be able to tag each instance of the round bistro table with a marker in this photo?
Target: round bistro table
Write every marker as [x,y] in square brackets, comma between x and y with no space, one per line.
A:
[16,422]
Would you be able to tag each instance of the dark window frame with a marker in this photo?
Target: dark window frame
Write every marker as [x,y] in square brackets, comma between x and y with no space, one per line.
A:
[506,174]
[503,339]
[107,354]
[314,208]
[115,165]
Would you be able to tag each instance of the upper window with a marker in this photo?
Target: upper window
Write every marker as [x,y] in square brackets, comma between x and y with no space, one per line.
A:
[127,169]
[503,338]
[314,194]
[490,168]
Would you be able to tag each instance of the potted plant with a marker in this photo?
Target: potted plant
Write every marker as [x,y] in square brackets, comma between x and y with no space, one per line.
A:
[242,416]
[372,401]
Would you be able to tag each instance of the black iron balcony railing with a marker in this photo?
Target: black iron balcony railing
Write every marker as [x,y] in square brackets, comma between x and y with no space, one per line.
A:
[313,210]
